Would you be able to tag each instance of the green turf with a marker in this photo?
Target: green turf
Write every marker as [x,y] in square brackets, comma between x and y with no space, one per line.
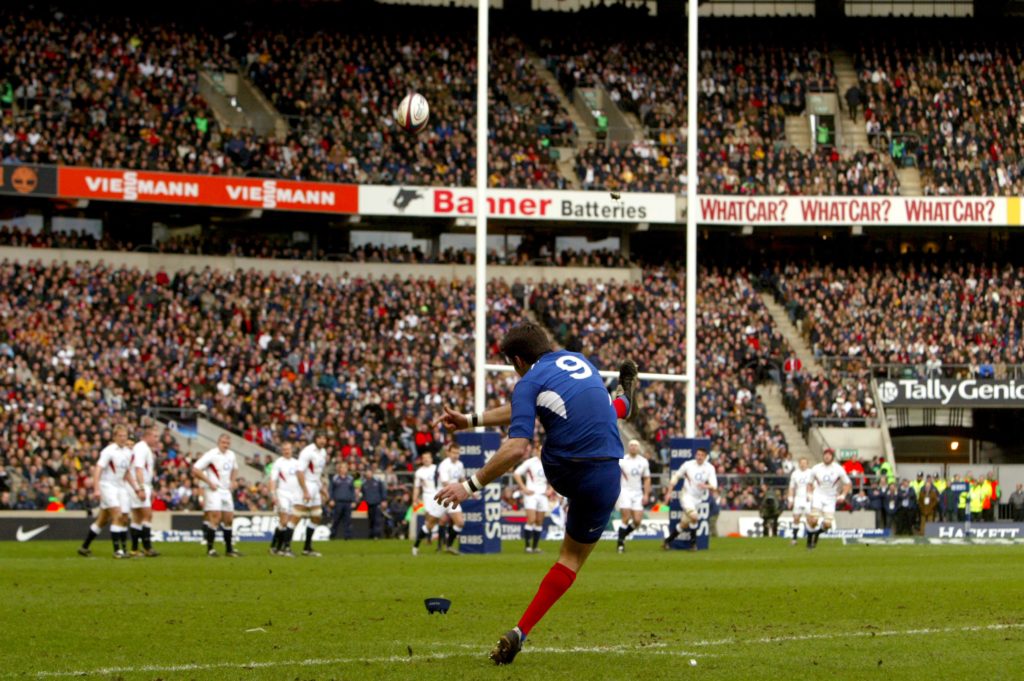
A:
[357,613]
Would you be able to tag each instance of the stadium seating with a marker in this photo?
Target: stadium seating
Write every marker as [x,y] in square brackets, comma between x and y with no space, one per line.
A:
[273,357]
[953,103]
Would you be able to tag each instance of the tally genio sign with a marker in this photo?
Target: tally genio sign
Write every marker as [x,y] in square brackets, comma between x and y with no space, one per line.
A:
[941,392]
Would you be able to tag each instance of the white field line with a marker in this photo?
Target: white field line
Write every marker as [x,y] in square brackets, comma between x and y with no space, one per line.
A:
[477,650]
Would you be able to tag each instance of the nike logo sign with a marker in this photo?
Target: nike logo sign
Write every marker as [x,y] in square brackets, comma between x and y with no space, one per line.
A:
[22,535]
[595,529]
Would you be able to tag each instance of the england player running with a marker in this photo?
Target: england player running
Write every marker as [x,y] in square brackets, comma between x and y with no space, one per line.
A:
[826,478]
[312,462]
[286,490]
[636,490]
[216,470]
[699,481]
[424,488]
[580,456]
[533,485]
[143,465]
[112,484]
[799,495]
[452,470]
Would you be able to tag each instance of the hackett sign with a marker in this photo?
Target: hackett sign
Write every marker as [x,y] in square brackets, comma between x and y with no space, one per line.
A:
[941,392]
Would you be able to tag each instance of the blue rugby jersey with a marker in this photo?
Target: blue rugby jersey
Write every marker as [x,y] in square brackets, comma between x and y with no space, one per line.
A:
[567,394]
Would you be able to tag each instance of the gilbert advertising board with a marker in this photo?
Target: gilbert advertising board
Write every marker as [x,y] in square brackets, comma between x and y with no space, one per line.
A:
[753,527]
[517,204]
[482,531]
[682,450]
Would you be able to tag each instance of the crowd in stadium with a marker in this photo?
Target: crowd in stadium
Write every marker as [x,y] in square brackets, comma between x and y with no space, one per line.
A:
[250,245]
[262,355]
[77,89]
[953,106]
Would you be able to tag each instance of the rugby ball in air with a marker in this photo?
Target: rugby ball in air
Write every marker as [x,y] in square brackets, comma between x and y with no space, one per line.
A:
[413,113]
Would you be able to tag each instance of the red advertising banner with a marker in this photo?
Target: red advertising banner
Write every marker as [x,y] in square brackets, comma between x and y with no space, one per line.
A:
[206,190]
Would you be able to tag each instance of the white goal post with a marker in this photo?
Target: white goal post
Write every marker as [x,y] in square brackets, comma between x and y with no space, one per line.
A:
[480,366]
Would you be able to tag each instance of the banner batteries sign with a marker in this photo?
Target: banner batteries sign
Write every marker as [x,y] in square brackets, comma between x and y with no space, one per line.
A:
[482,532]
[842,211]
[941,392]
[517,204]
[682,450]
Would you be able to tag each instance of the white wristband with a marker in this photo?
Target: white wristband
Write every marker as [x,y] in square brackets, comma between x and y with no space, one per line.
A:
[465,486]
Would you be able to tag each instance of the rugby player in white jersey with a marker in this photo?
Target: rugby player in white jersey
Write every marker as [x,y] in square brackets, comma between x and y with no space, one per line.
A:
[452,470]
[699,481]
[216,471]
[143,468]
[533,485]
[424,489]
[799,495]
[636,490]
[312,462]
[286,490]
[112,484]
[829,485]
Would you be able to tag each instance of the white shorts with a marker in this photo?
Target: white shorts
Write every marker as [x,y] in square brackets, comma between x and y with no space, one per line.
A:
[284,502]
[689,503]
[823,505]
[538,501]
[315,503]
[137,503]
[631,500]
[116,496]
[436,510]
[801,506]
[218,500]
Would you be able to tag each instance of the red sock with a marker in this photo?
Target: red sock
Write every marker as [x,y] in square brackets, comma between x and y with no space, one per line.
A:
[555,583]
[621,407]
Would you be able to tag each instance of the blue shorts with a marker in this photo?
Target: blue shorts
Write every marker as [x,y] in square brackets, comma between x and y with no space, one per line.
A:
[592,488]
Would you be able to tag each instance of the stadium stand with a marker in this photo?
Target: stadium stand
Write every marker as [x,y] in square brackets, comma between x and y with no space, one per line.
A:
[950,103]
[273,357]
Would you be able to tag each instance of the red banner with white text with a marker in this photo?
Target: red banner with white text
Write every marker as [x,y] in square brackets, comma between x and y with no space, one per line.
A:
[206,190]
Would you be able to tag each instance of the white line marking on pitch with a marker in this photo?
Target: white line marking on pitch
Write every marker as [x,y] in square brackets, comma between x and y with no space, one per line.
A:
[854,634]
[652,649]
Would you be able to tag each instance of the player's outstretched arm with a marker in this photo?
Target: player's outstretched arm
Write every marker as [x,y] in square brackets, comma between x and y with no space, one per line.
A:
[453,420]
[512,451]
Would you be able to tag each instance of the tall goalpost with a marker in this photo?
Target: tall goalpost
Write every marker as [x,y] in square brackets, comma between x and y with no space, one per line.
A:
[480,366]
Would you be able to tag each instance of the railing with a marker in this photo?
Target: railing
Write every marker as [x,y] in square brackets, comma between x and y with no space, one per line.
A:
[859,366]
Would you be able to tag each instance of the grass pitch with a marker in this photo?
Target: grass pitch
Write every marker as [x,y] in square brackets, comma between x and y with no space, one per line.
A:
[747,609]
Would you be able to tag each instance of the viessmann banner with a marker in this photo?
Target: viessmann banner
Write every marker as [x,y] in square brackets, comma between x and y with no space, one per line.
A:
[858,210]
[206,190]
[942,392]
[519,204]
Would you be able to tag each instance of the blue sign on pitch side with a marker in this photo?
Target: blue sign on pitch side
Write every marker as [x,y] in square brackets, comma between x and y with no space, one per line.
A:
[681,450]
[482,531]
